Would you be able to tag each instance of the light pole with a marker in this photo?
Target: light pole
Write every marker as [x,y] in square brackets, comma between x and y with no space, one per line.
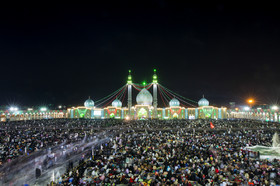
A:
[274,112]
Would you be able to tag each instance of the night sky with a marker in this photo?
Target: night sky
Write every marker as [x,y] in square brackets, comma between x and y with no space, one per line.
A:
[61,54]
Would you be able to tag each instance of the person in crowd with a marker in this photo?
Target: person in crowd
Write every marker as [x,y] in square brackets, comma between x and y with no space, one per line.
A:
[148,152]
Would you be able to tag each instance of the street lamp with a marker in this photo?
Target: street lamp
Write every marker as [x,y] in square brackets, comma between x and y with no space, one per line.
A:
[250,101]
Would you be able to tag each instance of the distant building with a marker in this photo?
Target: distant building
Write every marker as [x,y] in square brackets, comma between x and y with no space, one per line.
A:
[232,105]
[22,115]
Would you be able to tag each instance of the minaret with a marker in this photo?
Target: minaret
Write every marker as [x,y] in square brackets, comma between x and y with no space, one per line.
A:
[155,93]
[129,97]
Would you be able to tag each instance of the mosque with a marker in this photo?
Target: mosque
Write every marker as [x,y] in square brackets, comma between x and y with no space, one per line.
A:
[146,106]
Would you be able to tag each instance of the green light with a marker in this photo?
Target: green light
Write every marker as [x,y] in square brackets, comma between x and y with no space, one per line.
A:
[155,76]
[144,83]
[129,81]
[142,113]
[112,115]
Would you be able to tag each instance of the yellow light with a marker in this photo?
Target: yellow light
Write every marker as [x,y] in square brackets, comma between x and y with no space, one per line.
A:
[250,101]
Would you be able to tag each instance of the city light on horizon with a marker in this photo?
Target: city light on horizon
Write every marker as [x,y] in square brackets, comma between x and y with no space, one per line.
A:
[43,109]
[250,101]
[246,108]
[13,109]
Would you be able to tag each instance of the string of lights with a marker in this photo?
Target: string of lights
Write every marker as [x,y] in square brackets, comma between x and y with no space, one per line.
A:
[177,95]
[164,95]
[149,86]
[136,87]
[166,91]
[167,94]
[124,95]
[110,94]
[113,96]
[160,93]
[142,85]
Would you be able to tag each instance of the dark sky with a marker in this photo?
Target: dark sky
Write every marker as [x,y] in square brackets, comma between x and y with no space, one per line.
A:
[61,54]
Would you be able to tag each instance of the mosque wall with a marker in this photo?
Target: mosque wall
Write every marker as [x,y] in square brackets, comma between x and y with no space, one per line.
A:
[22,115]
[261,114]
[138,112]
[113,112]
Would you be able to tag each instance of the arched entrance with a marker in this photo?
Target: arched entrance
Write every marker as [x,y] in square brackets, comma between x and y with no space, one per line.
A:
[142,114]
[175,116]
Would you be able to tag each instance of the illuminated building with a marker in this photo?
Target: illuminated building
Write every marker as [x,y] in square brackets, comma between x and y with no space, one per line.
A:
[258,112]
[31,114]
[146,106]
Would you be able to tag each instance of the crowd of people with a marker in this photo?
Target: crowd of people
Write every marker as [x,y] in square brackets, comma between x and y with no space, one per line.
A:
[148,152]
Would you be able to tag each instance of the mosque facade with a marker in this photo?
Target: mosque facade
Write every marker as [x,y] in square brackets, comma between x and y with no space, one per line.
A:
[146,107]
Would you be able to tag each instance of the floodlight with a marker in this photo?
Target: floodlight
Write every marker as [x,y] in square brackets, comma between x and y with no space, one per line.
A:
[43,109]
[246,108]
[13,109]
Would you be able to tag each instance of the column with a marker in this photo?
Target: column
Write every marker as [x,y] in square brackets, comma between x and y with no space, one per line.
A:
[129,97]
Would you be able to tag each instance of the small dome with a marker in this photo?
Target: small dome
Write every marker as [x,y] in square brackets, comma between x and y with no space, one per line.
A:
[117,103]
[174,102]
[144,97]
[89,103]
[203,102]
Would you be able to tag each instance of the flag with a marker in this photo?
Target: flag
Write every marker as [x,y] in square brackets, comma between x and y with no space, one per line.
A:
[211,125]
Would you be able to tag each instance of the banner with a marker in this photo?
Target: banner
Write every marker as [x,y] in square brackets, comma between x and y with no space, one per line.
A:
[211,125]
